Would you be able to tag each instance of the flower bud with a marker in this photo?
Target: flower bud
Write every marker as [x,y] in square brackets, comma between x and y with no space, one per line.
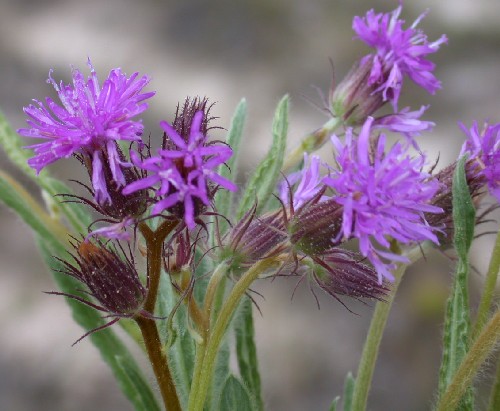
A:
[255,238]
[340,272]
[111,280]
[316,227]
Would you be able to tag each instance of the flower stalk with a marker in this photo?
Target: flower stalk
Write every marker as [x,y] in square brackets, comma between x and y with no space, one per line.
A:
[205,362]
[372,344]
[159,361]
[482,347]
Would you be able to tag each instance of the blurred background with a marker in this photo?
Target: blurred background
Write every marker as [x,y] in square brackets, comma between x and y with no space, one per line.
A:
[226,50]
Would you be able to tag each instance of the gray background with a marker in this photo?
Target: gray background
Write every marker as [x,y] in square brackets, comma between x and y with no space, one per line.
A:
[227,50]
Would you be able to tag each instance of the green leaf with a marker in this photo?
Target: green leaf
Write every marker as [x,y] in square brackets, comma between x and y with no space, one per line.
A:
[349,385]
[182,352]
[113,351]
[263,181]
[333,405]
[51,239]
[20,201]
[221,374]
[77,215]
[457,322]
[142,392]
[235,396]
[246,351]
[224,198]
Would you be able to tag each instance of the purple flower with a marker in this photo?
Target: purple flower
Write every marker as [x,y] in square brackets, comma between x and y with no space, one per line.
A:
[88,123]
[398,52]
[405,122]
[483,147]
[384,195]
[183,174]
[117,231]
[309,182]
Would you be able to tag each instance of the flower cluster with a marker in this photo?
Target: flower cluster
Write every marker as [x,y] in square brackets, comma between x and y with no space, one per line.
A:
[184,170]
[398,52]
[384,194]
[90,121]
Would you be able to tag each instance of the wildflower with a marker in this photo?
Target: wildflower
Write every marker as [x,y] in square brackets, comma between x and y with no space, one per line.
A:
[183,170]
[111,279]
[89,122]
[398,52]
[483,148]
[384,195]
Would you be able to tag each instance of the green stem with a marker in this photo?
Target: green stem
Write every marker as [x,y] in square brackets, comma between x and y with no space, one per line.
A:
[494,404]
[489,289]
[372,344]
[205,367]
[483,346]
[212,287]
[310,143]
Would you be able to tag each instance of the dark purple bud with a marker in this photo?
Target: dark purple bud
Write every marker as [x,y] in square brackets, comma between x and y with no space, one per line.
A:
[355,98]
[255,238]
[111,279]
[341,272]
[316,226]
[179,256]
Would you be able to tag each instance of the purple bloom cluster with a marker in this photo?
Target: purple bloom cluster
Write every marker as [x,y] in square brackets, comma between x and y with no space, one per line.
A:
[384,195]
[483,147]
[88,123]
[398,52]
[183,174]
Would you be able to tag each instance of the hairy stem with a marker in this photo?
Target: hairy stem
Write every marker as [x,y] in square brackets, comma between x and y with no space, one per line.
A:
[372,344]
[482,347]
[489,289]
[205,366]
[310,143]
[495,391]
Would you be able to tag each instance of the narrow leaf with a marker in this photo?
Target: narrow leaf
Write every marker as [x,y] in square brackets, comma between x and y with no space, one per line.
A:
[13,145]
[224,198]
[221,374]
[263,181]
[457,322]
[349,384]
[142,392]
[51,239]
[235,396]
[333,405]
[246,351]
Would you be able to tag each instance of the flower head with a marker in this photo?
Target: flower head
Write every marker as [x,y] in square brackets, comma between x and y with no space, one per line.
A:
[341,272]
[384,195]
[111,279]
[398,52]
[483,148]
[183,172]
[89,122]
